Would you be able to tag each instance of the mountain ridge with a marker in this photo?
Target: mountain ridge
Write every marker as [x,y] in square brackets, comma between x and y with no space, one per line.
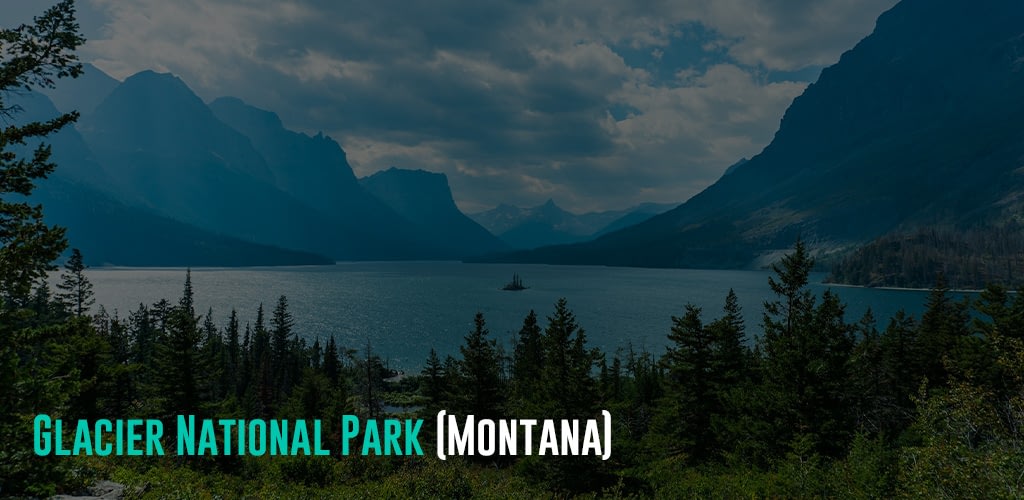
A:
[889,136]
[547,223]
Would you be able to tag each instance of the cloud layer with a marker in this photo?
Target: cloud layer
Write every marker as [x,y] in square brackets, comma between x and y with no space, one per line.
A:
[596,103]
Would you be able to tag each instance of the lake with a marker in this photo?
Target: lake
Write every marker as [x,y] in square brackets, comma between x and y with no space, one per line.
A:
[405,308]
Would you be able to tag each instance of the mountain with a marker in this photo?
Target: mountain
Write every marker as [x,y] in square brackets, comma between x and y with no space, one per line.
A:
[162,144]
[549,224]
[74,159]
[917,125]
[732,168]
[425,199]
[111,232]
[314,169]
[635,215]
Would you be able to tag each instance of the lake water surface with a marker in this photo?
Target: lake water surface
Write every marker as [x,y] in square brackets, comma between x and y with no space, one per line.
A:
[405,308]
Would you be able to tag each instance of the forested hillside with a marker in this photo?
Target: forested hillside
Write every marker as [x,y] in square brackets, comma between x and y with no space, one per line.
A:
[963,258]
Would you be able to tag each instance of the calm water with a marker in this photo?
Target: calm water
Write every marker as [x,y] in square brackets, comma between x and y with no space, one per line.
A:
[405,308]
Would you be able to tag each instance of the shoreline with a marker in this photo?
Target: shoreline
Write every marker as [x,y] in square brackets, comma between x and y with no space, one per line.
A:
[906,289]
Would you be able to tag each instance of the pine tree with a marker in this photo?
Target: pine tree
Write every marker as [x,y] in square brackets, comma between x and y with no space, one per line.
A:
[565,387]
[433,378]
[528,356]
[234,352]
[943,327]
[181,369]
[316,355]
[38,373]
[47,310]
[281,324]
[262,386]
[901,376]
[332,366]
[684,416]
[75,288]
[247,363]
[481,391]
[214,356]
[371,379]
[34,55]
[806,353]
[730,357]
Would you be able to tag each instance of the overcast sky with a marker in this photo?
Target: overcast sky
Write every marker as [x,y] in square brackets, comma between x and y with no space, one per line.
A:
[598,104]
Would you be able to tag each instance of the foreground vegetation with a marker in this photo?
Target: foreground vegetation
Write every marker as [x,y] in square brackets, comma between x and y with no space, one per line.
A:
[819,406]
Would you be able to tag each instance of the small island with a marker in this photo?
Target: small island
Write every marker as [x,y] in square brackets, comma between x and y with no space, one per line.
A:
[515,285]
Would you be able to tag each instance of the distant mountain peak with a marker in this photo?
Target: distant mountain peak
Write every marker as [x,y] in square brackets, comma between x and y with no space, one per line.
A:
[148,75]
[435,182]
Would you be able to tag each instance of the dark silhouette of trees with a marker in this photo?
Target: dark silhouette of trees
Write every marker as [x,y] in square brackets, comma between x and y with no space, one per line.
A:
[75,288]
[481,391]
[34,56]
[39,355]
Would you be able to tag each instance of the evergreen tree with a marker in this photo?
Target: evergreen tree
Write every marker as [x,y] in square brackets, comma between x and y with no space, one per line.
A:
[481,391]
[180,366]
[214,356]
[371,379]
[262,385]
[38,370]
[806,353]
[433,379]
[244,382]
[901,376]
[332,364]
[47,310]
[730,377]
[116,384]
[566,388]
[316,355]
[941,334]
[685,413]
[730,357]
[234,352]
[75,288]
[33,56]
[281,324]
[528,356]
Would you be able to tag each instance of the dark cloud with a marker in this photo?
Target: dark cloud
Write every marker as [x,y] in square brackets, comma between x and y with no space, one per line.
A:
[597,103]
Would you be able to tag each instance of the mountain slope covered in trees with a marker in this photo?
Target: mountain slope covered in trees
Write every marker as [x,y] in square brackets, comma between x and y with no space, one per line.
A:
[963,259]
